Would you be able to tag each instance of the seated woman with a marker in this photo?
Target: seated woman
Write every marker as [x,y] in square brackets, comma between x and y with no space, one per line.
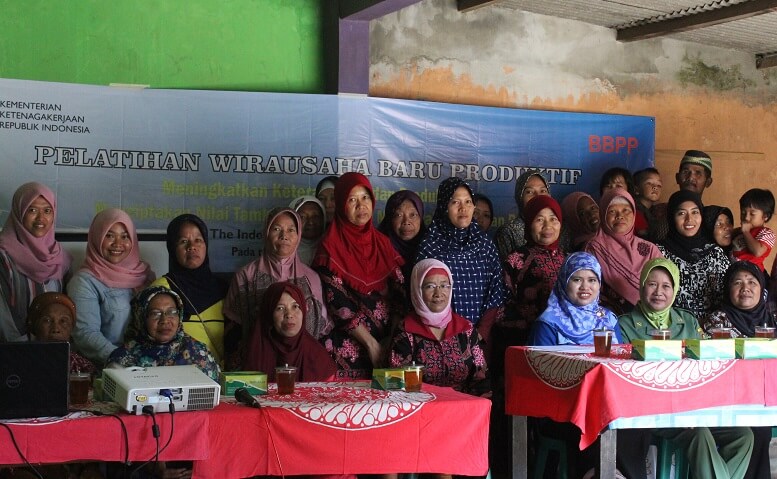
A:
[445,343]
[715,452]
[280,338]
[620,252]
[659,283]
[31,259]
[190,278]
[51,317]
[581,217]
[573,313]
[743,308]
[313,215]
[102,289]
[362,281]
[158,338]
[279,261]
[701,262]
[469,253]
[403,223]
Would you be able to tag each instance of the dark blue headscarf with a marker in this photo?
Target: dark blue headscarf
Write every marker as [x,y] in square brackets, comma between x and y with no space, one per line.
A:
[469,253]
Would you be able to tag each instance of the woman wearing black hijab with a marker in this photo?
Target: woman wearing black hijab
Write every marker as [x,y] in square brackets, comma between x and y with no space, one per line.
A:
[190,277]
[744,308]
[702,263]
[718,224]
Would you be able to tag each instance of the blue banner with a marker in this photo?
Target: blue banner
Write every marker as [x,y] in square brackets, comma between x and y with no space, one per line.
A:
[230,157]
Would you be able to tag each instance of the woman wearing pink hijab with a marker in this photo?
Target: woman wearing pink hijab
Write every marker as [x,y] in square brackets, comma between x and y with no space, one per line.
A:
[446,344]
[102,289]
[621,253]
[31,260]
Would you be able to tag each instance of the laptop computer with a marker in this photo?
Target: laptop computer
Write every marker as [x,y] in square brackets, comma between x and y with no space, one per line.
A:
[34,379]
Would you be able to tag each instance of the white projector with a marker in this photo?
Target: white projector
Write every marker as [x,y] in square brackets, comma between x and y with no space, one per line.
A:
[188,388]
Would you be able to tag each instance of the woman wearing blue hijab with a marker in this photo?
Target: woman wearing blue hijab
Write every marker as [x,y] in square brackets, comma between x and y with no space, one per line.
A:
[573,311]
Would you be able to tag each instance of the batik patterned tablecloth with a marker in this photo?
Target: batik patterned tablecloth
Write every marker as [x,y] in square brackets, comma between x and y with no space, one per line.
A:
[349,428]
[570,384]
[323,428]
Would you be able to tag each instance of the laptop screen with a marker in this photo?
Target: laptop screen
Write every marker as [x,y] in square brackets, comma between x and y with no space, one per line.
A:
[34,379]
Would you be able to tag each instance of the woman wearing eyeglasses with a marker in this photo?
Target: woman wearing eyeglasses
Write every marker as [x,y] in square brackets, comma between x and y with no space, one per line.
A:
[445,343]
[155,336]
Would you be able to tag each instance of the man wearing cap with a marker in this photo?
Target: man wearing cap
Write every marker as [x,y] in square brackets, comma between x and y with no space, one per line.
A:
[695,174]
[695,171]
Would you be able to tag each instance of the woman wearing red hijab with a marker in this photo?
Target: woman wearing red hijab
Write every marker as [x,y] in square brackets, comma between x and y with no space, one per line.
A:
[280,337]
[358,268]
[531,270]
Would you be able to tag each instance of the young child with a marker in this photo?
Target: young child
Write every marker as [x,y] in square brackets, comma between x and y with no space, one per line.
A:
[753,241]
[648,189]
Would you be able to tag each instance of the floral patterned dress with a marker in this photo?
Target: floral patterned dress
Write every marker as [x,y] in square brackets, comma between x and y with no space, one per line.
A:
[456,360]
[530,274]
[348,308]
[701,282]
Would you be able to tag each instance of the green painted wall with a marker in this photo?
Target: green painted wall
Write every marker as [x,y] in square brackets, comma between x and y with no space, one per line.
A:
[254,45]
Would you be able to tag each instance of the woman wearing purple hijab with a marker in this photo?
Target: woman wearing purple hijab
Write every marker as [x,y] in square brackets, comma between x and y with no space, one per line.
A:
[31,260]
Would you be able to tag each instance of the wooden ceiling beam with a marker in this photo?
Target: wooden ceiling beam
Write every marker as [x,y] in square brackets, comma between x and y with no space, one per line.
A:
[370,9]
[697,20]
[765,60]
[469,5]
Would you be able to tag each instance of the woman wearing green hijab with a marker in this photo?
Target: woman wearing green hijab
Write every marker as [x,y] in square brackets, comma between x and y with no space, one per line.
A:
[659,283]
[721,452]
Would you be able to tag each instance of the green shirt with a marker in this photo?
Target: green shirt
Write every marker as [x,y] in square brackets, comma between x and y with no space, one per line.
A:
[683,325]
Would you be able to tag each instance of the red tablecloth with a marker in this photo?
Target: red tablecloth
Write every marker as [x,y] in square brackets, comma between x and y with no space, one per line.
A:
[101,439]
[591,392]
[339,429]
[324,428]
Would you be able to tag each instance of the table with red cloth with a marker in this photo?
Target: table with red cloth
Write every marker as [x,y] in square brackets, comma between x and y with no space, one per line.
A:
[570,384]
[323,428]
[85,437]
[330,428]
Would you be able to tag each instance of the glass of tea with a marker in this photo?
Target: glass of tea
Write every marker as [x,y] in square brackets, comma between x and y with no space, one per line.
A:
[764,332]
[602,342]
[79,388]
[721,333]
[413,378]
[662,334]
[285,376]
